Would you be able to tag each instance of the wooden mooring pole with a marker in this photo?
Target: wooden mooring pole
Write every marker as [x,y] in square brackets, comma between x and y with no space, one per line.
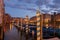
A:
[27,27]
[39,26]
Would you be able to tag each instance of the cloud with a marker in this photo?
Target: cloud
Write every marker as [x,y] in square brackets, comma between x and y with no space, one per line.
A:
[44,7]
[56,1]
[22,5]
[28,1]
[32,5]
[53,5]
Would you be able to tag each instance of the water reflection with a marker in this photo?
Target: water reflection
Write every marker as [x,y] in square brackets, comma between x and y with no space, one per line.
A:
[16,34]
[11,34]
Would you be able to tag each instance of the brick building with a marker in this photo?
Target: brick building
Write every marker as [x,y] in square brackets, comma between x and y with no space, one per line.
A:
[52,20]
[18,20]
[1,18]
[32,20]
[57,20]
[46,19]
[7,19]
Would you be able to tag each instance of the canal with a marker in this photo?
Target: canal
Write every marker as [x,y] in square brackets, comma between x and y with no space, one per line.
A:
[11,34]
[14,34]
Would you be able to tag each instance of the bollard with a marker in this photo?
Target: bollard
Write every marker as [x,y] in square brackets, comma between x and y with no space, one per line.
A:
[32,34]
[39,27]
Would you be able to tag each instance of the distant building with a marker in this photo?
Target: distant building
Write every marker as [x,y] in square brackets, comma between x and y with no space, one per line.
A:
[7,19]
[18,20]
[32,20]
[2,11]
[57,20]
[46,19]
[15,20]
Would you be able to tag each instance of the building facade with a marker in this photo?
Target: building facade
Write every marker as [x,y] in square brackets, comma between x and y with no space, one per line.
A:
[1,18]
[57,20]
[46,20]
[7,19]
[49,20]
[32,20]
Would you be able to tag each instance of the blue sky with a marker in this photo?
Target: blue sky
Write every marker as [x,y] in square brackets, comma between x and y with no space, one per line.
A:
[21,8]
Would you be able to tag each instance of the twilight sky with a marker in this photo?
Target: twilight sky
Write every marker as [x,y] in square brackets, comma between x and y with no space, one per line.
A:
[21,8]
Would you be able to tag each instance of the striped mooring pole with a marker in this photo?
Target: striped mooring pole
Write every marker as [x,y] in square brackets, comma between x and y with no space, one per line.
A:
[39,26]
[27,27]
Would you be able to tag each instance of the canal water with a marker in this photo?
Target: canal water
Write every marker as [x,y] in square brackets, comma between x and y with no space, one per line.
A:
[13,34]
